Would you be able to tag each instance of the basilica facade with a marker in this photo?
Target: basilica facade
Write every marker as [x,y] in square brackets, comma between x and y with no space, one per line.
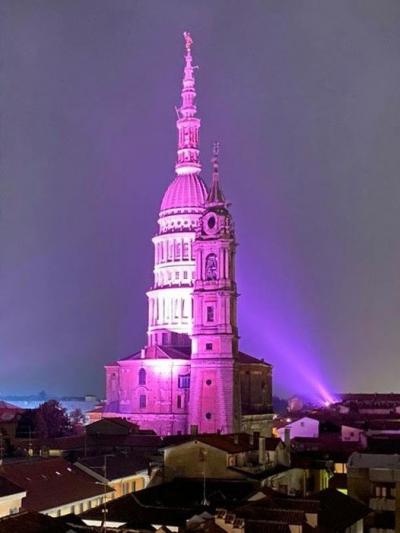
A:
[191,375]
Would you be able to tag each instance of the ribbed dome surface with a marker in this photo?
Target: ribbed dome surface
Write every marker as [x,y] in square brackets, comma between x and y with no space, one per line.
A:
[185,191]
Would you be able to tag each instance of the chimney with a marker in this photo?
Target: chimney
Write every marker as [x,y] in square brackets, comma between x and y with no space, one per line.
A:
[261,450]
[194,429]
[287,437]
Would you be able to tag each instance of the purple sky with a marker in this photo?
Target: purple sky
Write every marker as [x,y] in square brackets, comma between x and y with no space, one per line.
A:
[304,97]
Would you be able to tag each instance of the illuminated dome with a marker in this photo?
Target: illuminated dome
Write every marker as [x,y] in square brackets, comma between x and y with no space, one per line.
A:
[186,191]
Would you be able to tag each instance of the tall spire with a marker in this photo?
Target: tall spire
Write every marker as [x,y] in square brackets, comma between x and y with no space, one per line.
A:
[188,159]
[215,196]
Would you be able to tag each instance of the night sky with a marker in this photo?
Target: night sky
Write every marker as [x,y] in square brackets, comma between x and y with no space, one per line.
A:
[304,98]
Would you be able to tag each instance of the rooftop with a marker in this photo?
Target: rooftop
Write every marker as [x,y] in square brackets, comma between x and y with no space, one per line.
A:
[335,510]
[374,460]
[31,522]
[172,503]
[232,443]
[181,352]
[118,466]
[338,511]
[7,488]
[50,483]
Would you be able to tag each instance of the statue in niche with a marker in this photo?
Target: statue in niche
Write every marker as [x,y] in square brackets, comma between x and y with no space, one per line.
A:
[211,267]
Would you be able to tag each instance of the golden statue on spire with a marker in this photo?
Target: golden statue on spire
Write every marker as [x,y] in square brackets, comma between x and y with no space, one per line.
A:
[188,40]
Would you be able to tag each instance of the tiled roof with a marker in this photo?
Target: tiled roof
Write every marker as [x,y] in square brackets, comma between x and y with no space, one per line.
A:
[328,444]
[98,443]
[338,511]
[233,443]
[118,466]
[129,510]
[262,526]
[161,352]
[374,460]
[335,510]
[108,424]
[277,500]
[370,397]
[50,482]
[181,352]
[9,412]
[255,511]
[249,359]
[31,522]
[7,487]
[229,443]
[172,503]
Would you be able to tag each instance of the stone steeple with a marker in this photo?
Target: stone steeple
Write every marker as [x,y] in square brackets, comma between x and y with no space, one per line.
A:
[214,385]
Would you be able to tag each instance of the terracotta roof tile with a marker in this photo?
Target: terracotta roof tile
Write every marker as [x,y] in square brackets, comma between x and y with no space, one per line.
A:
[50,482]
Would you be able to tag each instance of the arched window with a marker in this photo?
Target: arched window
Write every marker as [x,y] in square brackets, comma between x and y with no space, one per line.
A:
[211,267]
[142,376]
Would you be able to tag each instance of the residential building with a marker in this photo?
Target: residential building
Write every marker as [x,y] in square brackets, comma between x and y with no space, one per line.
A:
[11,496]
[124,473]
[54,486]
[374,479]
[297,427]
[217,456]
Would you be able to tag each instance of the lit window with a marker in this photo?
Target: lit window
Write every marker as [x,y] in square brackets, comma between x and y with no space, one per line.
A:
[142,401]
[142,376]
[210,313]
[185,275]
[184,381]
[209,346]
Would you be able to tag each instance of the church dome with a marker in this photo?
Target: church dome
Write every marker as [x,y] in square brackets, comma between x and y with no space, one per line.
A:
[185,191]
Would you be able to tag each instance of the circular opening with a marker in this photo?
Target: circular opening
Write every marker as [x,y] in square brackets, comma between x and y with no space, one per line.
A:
[208,382]
[208,416]
[211,222]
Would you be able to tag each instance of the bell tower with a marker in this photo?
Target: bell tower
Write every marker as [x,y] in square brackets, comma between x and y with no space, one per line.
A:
[214,381]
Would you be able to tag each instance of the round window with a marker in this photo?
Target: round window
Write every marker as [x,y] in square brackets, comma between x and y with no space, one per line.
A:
[208,382]
[208,416]
[211,222]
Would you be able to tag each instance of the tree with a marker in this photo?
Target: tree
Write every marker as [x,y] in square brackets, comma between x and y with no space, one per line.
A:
[52,420]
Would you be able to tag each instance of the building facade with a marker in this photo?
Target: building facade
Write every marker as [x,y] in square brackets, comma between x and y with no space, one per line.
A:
[191,373]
